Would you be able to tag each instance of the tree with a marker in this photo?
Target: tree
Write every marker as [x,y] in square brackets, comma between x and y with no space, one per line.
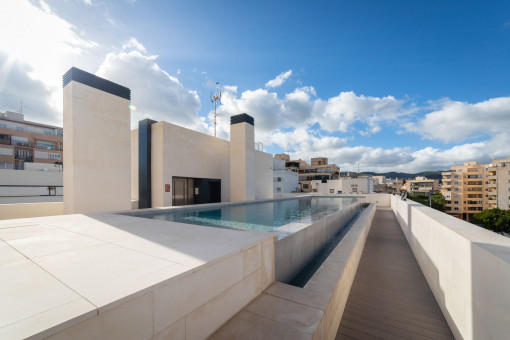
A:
[496,219]
[438,201]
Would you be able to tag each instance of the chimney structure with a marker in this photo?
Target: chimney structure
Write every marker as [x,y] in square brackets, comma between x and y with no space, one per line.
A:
[97,144]
[242,158]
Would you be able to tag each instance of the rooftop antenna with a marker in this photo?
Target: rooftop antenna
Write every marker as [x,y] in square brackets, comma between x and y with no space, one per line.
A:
[20,106]
[214,99]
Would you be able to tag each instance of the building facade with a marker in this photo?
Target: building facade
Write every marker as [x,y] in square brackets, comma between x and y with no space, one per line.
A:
[284,180]
[499,183]
[345,185]
[472,187]
[422,185]
[190,167]
[30,160]
[319,169]
[23,142]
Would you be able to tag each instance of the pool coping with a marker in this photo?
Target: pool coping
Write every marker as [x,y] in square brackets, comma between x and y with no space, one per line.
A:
[211,206]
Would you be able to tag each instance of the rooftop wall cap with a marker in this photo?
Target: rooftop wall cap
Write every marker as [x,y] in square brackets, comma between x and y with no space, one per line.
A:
[96,82]
[242,118]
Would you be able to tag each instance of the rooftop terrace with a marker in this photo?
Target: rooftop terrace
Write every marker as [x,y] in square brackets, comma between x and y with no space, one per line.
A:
[402,270]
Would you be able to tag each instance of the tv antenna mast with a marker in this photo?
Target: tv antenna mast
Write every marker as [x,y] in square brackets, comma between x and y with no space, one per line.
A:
[215,99]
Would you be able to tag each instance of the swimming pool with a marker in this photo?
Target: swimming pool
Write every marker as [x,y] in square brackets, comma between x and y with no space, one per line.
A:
[283,217]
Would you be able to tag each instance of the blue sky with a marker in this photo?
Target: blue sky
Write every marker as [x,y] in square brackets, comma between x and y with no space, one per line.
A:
[400,85]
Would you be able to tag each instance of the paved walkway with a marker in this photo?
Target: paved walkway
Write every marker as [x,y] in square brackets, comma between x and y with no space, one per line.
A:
[390,298]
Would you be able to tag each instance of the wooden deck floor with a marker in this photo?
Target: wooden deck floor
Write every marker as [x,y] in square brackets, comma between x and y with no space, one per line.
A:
[390,298]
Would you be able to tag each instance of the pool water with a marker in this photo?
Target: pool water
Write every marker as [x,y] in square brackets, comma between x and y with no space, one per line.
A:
[283,217]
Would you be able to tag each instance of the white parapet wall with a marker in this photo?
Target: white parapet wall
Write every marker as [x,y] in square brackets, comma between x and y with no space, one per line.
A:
[466,267]
[27,210]
[381,200]
[29,186]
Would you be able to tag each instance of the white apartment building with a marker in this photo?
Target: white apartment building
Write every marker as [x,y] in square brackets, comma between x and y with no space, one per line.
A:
[344,185]
[284,181]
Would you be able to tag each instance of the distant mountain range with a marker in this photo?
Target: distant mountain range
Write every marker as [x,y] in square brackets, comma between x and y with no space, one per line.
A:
[393,174]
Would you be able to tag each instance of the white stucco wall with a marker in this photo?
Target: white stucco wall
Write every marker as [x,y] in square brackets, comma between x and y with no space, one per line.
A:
[26,186]
[278,164]
[363,185]
[289,181]
[97,153]
[345,185]
[263,175]
[29,177]
[181,152]
[324,188]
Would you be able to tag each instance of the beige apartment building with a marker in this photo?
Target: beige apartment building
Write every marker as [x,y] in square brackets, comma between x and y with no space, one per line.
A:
[499,183]
[319,169]
[292,165]
[422,185]
[24,143]
[472,187]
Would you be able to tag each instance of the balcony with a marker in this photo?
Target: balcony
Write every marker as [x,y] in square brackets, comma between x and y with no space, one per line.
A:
[492,193]
[24,144]
[492,185]
[492,177]
[26,158]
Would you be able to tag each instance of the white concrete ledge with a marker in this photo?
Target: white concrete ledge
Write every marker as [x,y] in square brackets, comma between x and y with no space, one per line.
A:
[467,268]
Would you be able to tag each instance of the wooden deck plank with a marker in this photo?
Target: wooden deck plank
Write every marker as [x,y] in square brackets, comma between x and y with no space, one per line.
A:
[390,298]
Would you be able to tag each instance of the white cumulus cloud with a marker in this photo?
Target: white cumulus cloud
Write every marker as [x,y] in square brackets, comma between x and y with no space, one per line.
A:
[279,80]
[132,43]
[455,121]
[155,93]
[339,113]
